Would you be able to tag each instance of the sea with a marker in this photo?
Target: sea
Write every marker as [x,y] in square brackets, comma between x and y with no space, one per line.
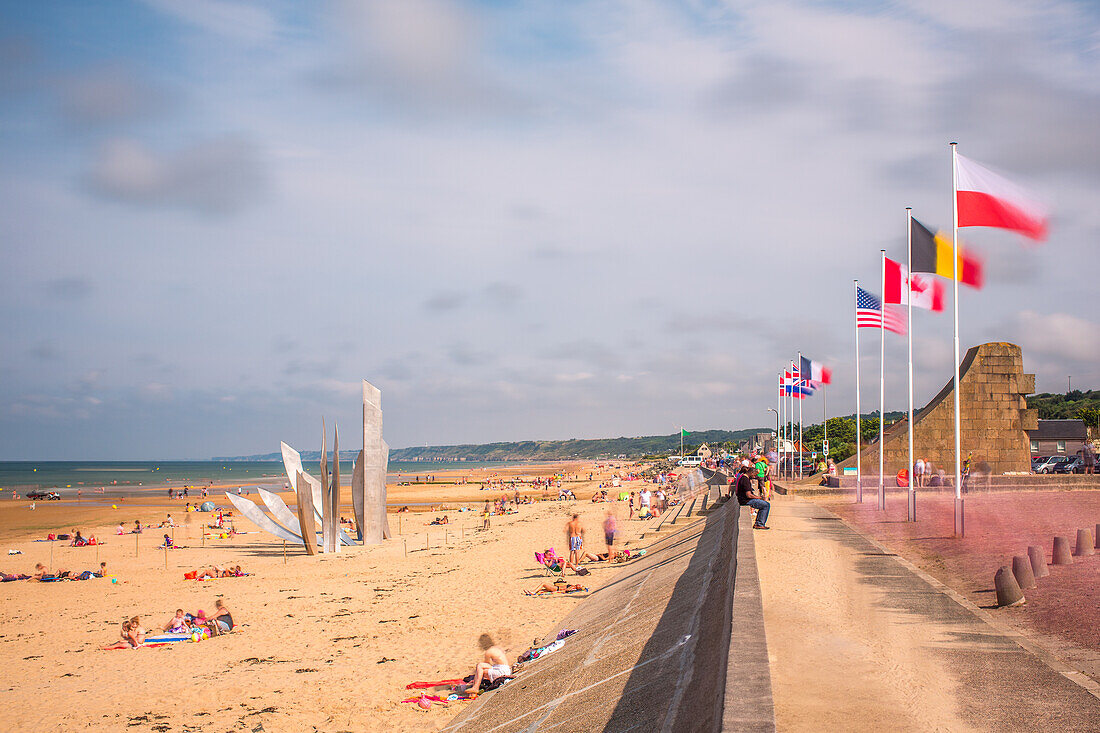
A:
[68,477]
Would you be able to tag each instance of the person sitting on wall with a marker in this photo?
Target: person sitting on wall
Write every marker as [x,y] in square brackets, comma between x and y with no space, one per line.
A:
[746,497]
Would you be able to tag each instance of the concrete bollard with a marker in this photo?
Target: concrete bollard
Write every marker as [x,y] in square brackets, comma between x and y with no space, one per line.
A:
[1021,570]
[1038,562]
[1008,590]
[1061,555]
[1084,543]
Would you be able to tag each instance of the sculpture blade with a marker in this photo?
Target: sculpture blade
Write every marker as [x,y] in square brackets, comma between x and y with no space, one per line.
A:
[332,509]
[280,511]
[306,514]
[357,494]
[292,462]
[374,484]
[386,534]
[327,532]
[254,514]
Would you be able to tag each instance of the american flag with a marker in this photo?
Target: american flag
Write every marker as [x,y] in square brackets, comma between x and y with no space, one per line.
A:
[869,313]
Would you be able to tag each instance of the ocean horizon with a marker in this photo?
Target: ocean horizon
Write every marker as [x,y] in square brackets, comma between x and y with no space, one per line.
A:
[70,476]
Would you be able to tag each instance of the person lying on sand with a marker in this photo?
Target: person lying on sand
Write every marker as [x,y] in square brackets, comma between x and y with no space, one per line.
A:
[555,588]
[494,666]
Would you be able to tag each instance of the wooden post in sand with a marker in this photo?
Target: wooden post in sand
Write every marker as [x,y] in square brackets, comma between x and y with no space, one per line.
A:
[284,552]
[405,542]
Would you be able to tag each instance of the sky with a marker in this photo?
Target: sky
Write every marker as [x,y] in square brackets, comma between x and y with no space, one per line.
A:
[520,220]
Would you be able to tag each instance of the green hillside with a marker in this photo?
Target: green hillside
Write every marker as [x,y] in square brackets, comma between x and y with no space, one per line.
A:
[1083,405]
[563,449]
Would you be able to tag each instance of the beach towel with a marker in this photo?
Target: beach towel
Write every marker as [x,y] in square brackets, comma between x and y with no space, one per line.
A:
[433,698]
[426,685]
[167,638]
[536,652]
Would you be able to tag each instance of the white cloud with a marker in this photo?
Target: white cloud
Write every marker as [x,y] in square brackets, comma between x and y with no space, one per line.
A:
[219,176]
[1058,336]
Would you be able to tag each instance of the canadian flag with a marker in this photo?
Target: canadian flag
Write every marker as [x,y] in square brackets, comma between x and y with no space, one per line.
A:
[926,292]
[986,199]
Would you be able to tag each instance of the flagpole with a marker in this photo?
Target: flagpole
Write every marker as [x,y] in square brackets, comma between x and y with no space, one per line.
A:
[959,523]
[859,434]
[779,418]
[681,442]
[824,415]
[782,416]
[801,399]
[882,384]
[912,516]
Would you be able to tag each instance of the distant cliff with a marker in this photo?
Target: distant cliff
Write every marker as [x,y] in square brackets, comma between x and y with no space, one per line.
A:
[542,449]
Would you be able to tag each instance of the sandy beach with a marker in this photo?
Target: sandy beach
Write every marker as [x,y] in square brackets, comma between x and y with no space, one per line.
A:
[327,642]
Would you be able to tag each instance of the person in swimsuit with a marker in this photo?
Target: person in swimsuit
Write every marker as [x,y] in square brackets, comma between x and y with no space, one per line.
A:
[222,619]
[494,666]
[575,532]
[556,587]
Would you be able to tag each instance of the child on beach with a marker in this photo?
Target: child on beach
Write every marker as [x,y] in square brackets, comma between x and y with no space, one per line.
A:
[178,624]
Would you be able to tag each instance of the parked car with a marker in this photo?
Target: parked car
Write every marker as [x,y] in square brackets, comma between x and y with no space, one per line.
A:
[1037,461]
[41,495]
[1051,464]
[1075,464]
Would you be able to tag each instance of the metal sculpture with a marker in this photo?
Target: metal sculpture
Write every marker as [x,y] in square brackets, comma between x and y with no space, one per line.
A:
[305,513]
[253,514]
[372,521]
[279,510]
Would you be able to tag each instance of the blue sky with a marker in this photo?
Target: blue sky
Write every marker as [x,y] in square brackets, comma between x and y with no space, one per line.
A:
[519,220]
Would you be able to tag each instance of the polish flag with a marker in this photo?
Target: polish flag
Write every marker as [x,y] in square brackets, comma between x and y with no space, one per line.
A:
[926,292]
[986,199]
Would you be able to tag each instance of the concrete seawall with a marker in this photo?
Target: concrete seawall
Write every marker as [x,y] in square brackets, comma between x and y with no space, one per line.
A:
[657,647]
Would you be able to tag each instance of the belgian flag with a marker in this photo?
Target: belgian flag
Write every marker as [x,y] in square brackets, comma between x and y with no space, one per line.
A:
[932,253]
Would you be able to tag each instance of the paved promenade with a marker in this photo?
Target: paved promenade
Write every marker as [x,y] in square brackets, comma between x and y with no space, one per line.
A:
[861,641]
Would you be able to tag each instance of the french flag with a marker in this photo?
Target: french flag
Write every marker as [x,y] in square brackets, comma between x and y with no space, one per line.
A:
[816,372]
[986,199]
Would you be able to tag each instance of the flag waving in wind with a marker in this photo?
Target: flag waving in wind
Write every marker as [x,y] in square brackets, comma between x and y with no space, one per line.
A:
[985,199]
[816,372]
[932,253]
[869,313]
[925,292]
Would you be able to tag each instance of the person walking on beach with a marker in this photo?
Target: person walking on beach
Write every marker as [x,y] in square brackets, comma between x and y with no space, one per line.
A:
[485,516]
[644,498]
[631,514]
[610,529]
[575,532]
